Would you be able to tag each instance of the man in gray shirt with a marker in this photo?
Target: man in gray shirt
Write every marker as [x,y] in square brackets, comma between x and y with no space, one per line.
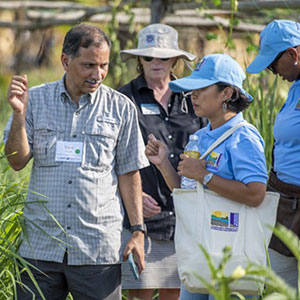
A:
[87,151]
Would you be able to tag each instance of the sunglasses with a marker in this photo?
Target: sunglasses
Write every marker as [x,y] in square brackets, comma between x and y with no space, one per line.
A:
[271,66]
[149,58]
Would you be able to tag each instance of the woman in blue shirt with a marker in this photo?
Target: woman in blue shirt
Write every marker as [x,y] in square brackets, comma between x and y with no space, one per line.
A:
[280,53]
[236,169]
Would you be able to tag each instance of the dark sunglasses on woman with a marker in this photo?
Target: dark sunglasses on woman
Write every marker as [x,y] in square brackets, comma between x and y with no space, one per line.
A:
[271,66]
[149,58]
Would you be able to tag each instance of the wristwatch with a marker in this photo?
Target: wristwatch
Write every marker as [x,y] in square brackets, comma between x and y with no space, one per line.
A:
[207,178]
[139,227]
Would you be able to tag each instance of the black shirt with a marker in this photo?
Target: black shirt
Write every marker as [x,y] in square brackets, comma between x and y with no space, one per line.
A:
[172,128]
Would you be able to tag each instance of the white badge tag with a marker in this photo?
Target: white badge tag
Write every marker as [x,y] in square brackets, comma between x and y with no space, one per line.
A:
[150,109]
[68,151]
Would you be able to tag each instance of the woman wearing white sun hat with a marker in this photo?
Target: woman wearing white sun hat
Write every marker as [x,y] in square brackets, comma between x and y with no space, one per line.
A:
[237,168]
[171,117]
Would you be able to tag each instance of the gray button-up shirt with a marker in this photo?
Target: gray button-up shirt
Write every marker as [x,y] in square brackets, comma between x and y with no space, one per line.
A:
[82,197]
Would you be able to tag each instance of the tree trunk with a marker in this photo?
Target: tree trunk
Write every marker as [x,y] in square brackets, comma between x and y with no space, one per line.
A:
[158,10]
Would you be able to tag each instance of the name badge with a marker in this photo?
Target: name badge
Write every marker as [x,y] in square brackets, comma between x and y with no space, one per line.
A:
[68,151]
[150,109]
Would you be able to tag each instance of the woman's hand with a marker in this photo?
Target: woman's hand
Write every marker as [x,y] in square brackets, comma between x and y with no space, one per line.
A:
[156,151]
[251,194]
[150,206]
[192,168]
[157,154]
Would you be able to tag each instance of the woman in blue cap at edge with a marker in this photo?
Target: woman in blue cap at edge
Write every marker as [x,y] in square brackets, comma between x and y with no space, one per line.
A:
[239,173]
[280,53]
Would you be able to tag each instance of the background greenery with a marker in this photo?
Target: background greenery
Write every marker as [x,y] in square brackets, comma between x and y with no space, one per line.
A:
[268,91]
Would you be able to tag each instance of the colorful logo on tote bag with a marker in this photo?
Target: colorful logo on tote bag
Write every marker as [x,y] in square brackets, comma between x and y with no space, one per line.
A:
[224,221]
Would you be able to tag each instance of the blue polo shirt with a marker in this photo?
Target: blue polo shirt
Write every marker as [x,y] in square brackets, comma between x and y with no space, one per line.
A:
[240,157]
[287,138]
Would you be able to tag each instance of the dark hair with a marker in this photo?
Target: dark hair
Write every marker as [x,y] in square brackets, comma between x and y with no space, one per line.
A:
[238,101]
[83,35]
[139,67]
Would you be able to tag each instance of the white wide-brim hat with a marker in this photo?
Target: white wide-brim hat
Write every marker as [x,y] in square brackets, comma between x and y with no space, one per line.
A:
[157,40]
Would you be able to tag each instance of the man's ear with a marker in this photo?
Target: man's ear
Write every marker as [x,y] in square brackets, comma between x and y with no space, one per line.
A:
[65,61]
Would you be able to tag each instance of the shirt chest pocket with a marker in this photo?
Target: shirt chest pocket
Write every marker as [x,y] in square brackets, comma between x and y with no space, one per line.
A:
[99,147]
[44,146]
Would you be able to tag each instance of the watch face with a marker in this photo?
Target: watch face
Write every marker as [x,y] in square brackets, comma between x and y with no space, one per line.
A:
[207,178]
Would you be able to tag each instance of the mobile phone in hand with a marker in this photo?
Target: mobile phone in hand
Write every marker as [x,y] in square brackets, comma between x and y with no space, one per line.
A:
[133,266]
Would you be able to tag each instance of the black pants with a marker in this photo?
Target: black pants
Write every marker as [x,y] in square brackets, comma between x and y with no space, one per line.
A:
[288,212]
[87,282]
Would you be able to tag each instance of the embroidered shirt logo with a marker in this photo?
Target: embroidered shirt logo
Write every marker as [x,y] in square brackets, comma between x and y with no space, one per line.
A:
[213,160]
[298,105]
[224,221]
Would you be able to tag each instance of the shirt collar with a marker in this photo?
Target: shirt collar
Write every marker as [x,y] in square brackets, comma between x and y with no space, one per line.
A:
[141,82]
[216,133]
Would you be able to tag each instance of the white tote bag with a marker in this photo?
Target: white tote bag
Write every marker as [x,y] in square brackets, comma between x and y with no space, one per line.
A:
[206,218]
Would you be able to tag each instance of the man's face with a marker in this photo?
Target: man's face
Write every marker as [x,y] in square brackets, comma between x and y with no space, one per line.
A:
[84,73]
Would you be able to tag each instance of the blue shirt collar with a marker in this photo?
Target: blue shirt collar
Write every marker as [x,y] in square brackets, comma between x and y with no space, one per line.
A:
[215,133]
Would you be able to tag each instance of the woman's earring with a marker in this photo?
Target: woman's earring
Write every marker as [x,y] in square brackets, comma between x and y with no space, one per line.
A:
[295,63]
[224,107]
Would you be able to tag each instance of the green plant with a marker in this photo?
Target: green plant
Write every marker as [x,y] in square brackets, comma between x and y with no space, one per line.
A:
[268,97]
[12,199]
[275,288]
[118,74]
[12,222]
[220,283]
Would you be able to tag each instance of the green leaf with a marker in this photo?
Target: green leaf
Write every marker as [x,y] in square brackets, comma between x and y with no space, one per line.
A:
[211,36]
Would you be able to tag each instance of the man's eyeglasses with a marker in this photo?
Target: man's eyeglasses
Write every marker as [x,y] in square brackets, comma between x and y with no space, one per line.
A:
[149,58]
[271,66]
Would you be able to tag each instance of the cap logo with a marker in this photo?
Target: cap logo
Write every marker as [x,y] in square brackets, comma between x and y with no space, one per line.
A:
[150,39]
[200,64]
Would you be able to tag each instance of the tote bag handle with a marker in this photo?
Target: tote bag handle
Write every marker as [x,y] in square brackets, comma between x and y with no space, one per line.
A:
[223,137]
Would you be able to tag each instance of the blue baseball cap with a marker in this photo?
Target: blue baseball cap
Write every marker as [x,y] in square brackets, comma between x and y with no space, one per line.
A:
[212,69]
[277,36]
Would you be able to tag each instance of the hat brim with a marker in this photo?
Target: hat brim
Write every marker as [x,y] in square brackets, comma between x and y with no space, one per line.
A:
[156,52]
[261,62]
[191,83]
